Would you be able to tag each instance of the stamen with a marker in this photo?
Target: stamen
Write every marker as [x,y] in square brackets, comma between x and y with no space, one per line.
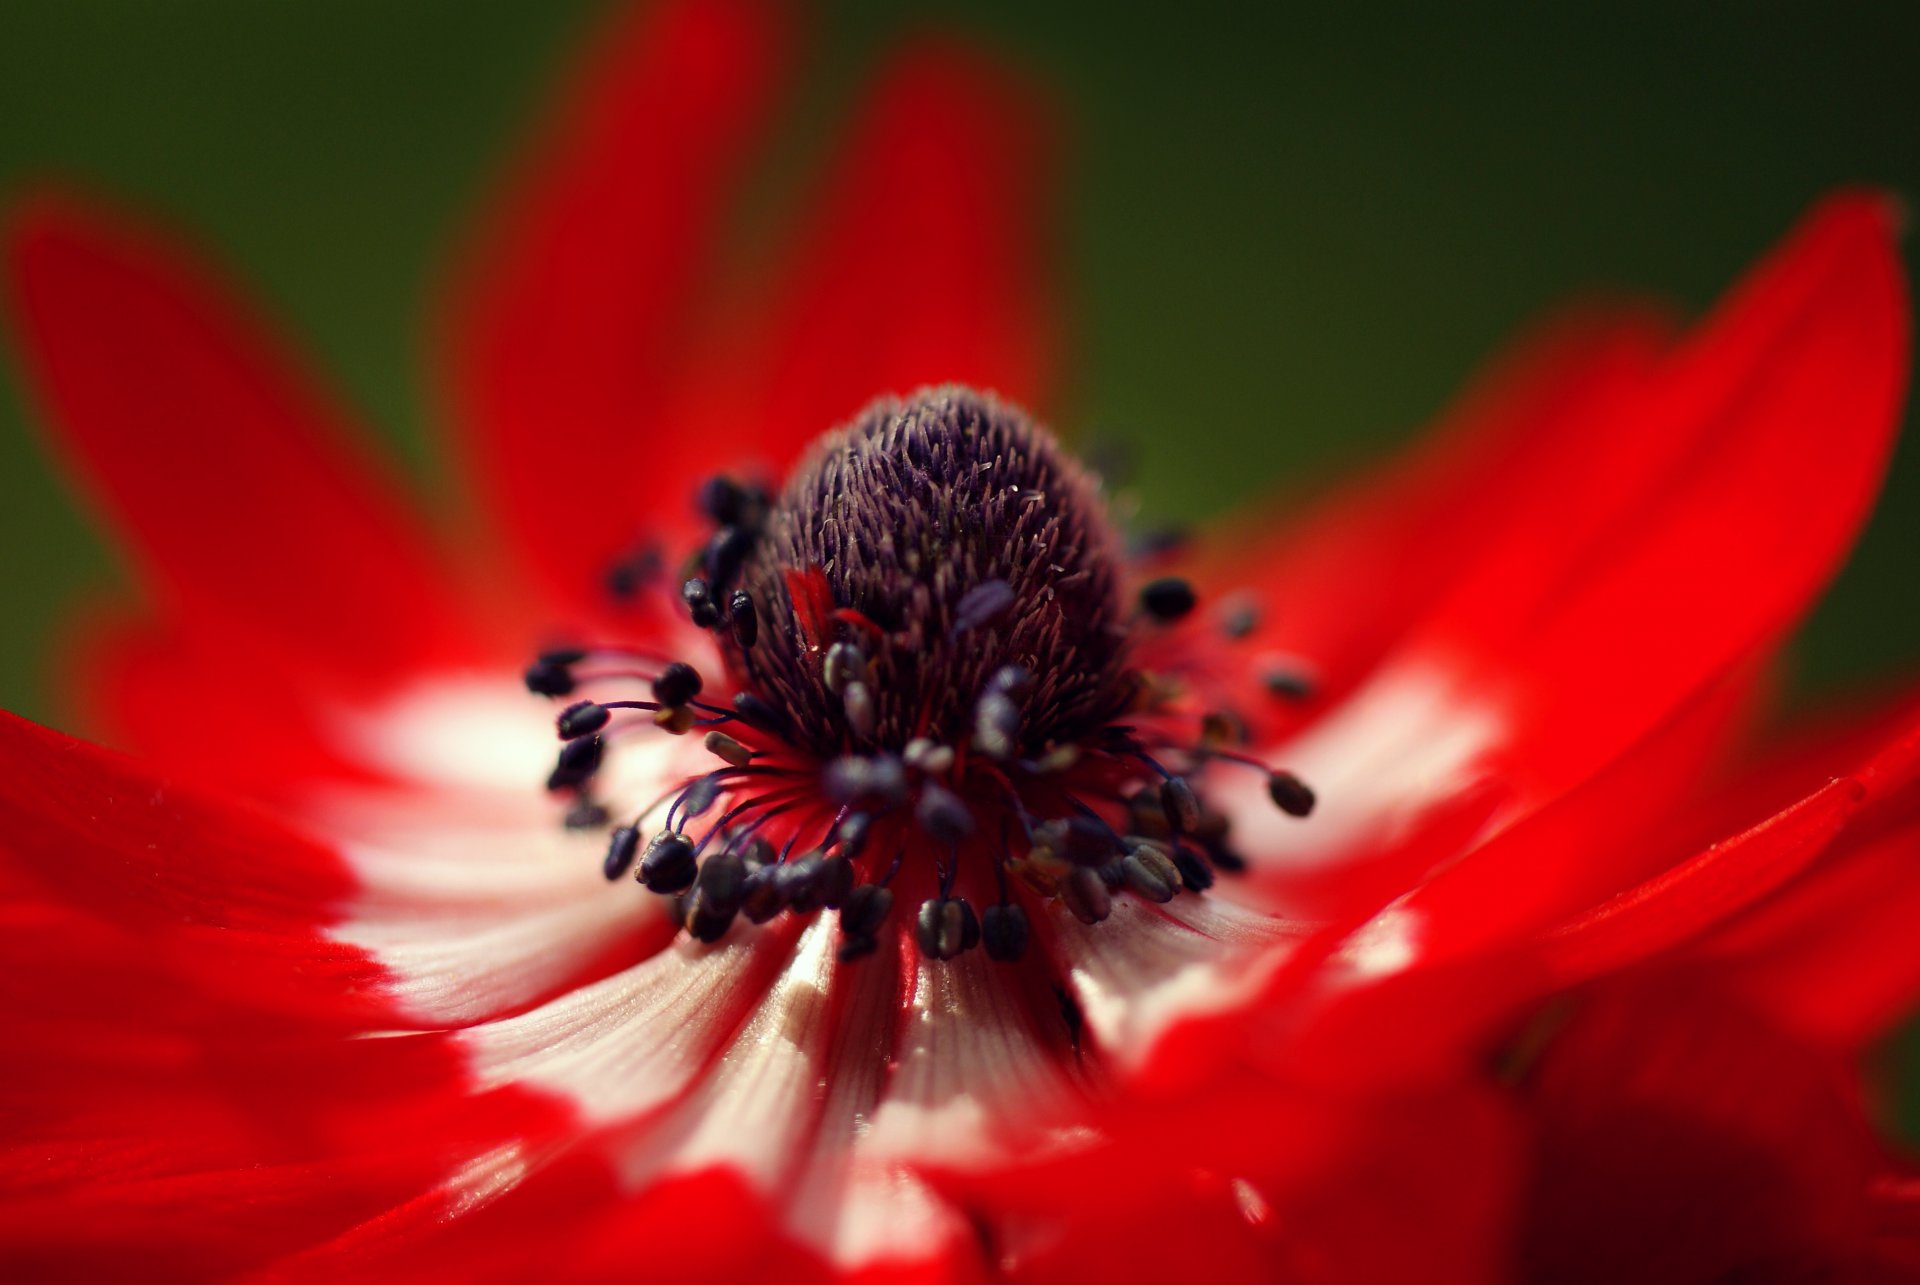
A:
[1167,599]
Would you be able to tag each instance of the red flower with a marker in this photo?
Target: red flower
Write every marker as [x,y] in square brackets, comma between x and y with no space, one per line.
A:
[321,985]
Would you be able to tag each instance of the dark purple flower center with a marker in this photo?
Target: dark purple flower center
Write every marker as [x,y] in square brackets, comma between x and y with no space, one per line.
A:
[953,539]
[937,685]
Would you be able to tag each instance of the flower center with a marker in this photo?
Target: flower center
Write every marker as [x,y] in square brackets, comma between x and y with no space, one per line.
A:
[918,552]
[936,688]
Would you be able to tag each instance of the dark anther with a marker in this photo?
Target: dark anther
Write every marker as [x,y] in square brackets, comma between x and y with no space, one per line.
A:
[579,760]
[630,574]
[996,725]
[1113,875]
[852,833]
[743,620]
[1193,871]
[834,881]
[1151,873]
[718,894]
[942,814]
[864,909]
[585,814]
[668,865]
[879,781]
[620,852]
[757,713]
[1086,895]
[699,797]
[725,500]
[981,605]
[1167,599]
[799,884]
[581,719]
[700,604]
[562,656]
[1225,858]
[945,927]
[1182,809]
[1080,840]
[1003,931]
[763,899]
[853,948]
[857,703]
[725,552]
[1290,794]
[1288,684]
[543,679]
[677,684]
[727,748]
[1239,618]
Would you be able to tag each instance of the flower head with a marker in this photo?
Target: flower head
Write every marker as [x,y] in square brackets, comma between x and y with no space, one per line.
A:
[1014,896]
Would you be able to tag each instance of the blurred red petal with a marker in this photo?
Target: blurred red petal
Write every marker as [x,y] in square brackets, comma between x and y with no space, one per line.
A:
[237,490]
[570,321]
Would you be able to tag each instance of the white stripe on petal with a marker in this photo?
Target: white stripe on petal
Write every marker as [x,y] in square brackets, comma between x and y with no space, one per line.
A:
[1408,739]
[1140,971]
[633,1042]
[971,1077]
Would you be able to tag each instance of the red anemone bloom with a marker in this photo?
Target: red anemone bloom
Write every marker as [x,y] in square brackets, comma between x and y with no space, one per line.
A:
[1356,897]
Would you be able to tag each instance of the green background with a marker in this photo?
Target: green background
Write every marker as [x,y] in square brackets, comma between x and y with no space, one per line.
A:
[1290,233]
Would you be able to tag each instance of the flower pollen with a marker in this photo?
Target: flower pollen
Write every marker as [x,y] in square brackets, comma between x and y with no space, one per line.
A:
[937,692]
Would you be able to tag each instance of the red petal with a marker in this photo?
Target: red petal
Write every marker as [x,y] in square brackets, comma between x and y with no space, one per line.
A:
[1678,1139]
[1702,521]
[185,1090]
[233,483]
[925,262]
[1346,579]
[571,322]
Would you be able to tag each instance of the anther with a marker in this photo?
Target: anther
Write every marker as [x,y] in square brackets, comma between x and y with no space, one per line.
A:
[700,604]
[621,848]
[727,748]
[743,620]
[852,833]
[1239,617]
[857,703]
[582,718]
[877,781]
[799,884]
[1085,894]
[718,894]
[1151,873]
[725,552]
[543,679]
[724,500]
[1193,871]
[668,865]
[834,881]
[561,656]
[1287,684]
[1290,794]
[1003,931]
[942,814]
[578,761]
[1167,599]
[699,797]
[996,725]
[928,755]
[1182,808]
[755,712]
[585,814]
[865,909]
[1015,682]
[677,684]
[945,927]
[844,664]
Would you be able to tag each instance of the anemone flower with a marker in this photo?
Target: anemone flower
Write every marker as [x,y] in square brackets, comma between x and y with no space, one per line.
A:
[896,869]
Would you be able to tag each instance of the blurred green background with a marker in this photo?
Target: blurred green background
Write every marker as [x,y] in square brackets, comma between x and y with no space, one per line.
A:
[1290,232]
